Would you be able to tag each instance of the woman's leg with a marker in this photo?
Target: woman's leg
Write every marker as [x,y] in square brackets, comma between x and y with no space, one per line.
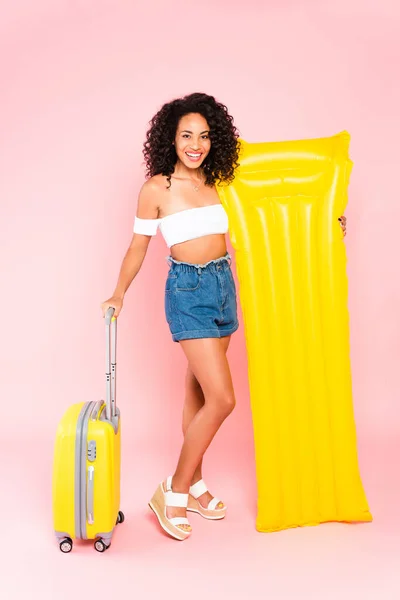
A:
[208,363]
[194,401]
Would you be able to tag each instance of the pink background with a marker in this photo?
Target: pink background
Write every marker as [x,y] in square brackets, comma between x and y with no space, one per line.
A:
[80,81]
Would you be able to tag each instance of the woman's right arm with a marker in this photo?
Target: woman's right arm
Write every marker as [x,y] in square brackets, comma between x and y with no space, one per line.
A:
[134,257]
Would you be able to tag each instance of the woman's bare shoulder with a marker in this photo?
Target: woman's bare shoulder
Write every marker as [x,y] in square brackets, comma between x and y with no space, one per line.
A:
[151,196]
[155,183]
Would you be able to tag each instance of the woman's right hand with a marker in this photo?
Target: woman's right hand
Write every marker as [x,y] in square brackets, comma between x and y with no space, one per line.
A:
[115,302]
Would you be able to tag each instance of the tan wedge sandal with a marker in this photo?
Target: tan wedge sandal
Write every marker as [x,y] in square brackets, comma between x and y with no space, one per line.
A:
[211,512]
[159,503]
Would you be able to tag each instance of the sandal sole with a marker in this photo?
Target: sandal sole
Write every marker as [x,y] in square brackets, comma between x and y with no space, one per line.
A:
[157,506]
[212,515]
[209,517]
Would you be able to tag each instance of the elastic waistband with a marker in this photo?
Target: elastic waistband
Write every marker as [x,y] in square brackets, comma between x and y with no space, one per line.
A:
[227,258]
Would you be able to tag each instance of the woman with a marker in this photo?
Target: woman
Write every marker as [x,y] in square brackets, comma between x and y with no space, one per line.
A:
[191,146]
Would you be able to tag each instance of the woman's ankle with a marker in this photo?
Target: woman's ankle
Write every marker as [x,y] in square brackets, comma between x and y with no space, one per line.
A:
[196,478]
[180,486]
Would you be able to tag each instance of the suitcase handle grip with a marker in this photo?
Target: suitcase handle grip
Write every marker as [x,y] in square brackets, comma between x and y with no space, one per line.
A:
[109,315]
[111,363]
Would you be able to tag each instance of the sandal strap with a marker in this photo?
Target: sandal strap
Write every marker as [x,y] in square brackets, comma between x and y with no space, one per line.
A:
[179,521]
[174,499]
[198,489]
[213,504]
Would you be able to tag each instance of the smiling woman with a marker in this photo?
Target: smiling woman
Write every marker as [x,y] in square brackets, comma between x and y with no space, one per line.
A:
[187,139]
[195,119]
[191,146]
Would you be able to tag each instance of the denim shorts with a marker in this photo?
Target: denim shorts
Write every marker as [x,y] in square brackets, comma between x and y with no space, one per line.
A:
[200,300]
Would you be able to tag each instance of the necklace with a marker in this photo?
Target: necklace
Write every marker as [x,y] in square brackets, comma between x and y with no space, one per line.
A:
[194,186]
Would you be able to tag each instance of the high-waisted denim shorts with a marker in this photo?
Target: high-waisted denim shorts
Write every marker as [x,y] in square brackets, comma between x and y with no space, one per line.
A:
[200,300]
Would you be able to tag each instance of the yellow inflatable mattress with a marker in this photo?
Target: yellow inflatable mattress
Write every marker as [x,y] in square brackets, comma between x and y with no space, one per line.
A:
[283,209]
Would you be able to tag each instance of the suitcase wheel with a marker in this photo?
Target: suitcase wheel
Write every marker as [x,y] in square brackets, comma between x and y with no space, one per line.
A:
[66,545]
[100,546]
[120,518]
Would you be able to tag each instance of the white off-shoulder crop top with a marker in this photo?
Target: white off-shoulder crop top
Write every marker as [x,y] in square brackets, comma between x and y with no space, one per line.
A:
[186,224]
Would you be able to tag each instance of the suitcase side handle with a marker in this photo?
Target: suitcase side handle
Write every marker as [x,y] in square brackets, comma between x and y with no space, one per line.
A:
[111,363]
[90,496]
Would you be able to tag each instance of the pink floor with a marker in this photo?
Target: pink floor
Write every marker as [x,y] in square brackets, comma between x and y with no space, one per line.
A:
[227,559]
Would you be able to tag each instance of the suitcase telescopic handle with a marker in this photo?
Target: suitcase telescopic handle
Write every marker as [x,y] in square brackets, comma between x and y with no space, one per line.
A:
[111,362]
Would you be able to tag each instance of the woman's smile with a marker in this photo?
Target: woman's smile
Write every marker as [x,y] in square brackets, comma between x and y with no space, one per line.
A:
[194,156]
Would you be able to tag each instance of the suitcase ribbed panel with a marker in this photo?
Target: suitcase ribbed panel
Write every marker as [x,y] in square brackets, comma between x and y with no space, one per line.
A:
[283,208]
[65,489]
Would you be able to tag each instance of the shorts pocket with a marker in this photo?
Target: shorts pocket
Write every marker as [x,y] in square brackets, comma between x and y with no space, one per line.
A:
[171,312]
[232,280]
[188,281]
[170,283]
[168,306]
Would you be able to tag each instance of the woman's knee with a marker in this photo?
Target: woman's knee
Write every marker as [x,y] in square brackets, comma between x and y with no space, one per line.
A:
[223,404]
[230,403]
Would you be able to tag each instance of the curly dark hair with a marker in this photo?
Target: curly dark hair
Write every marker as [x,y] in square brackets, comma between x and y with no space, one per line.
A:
[159,151]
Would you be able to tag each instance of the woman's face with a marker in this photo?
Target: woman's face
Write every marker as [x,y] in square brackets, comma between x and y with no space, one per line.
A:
[192,141]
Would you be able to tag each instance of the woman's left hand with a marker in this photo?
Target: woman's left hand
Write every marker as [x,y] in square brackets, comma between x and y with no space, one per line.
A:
[342,220]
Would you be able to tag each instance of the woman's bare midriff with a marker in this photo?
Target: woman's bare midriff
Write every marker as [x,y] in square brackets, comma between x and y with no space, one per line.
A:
[200,250]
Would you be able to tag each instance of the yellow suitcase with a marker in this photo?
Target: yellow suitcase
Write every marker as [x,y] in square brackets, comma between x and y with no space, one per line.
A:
[87,463]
